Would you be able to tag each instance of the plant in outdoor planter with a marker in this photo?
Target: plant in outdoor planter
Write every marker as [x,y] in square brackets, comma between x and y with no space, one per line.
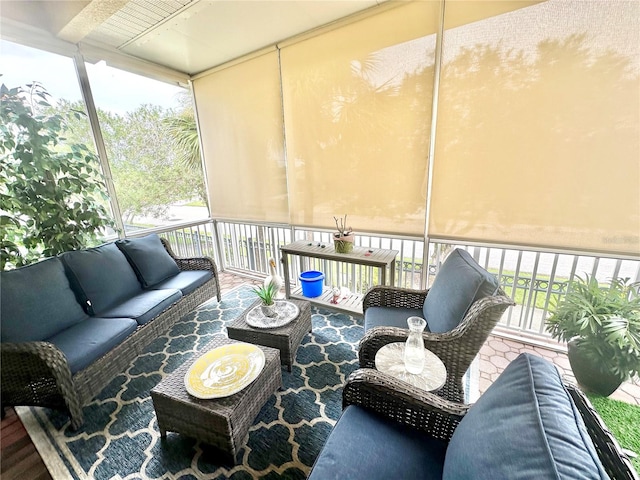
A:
[602,327]
[267,293]
[344,237]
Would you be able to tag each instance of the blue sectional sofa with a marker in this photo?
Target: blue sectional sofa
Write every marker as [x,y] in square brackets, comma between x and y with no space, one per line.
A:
[527,425]
[71,323]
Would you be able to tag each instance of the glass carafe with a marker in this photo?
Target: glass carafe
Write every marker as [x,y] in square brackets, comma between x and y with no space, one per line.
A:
[414,347]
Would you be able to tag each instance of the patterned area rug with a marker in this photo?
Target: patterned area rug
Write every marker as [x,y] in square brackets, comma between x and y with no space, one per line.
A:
[120,437]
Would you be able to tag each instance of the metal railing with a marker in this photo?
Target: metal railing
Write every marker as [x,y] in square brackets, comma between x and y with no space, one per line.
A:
[536,280]
[533,279]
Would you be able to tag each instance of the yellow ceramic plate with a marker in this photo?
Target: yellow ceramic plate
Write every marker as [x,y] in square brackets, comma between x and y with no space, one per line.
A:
[224,371]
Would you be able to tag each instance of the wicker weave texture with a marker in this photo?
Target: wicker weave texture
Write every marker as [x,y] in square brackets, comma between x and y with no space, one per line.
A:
[384,296]
[286,338]
[402,402]
[223,422]
[37,373]
[615,461]
[456,348]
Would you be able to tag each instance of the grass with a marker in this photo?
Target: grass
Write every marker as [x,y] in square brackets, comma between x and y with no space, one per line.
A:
[521,295]
[623,420]
[195,203]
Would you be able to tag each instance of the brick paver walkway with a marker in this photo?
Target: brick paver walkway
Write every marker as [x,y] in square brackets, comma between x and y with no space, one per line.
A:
[497,352]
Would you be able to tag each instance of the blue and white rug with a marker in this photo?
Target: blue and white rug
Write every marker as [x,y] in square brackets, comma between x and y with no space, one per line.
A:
[120,437]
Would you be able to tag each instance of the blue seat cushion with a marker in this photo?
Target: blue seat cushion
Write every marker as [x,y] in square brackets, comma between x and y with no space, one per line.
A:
[459,283]
[145,305]
[101,277]
[389,317]
[150,260]
[36,302]
[368,446]
[186,281]
[85,342]
[524,426]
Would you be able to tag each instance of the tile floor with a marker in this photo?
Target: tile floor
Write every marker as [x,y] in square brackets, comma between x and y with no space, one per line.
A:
[497,352]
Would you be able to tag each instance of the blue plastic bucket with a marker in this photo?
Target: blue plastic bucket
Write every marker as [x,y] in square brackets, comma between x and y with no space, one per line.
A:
[311,283]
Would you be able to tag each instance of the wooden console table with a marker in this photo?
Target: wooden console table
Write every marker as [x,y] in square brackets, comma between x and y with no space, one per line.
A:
[371,257]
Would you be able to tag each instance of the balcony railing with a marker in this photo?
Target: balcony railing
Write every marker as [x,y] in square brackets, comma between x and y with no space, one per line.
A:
[534,280]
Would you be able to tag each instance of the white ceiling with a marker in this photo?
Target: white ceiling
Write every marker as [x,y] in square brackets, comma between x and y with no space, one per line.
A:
[189,36]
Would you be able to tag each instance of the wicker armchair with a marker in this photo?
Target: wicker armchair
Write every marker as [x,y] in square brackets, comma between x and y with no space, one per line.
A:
[408,405]
[456,348]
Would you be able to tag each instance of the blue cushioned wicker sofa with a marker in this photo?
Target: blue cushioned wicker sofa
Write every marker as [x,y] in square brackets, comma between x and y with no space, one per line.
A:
[527,425]
[71,323]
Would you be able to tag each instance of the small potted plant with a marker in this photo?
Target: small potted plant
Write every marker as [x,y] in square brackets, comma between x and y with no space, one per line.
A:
[601,324]
[267,293]
[344,237]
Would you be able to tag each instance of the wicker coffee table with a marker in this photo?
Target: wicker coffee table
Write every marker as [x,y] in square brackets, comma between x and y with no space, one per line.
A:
[286,338]
[222,422]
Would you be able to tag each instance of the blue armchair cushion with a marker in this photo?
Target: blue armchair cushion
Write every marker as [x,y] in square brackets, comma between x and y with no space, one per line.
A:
[150,260]
[365,445]
[37,302]
[144,306]
[389,317]
[186,281]
[101,277]
[87,341]
[459,283]
[524,426]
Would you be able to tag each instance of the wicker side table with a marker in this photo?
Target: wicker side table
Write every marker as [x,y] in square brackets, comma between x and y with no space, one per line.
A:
[222,422]
[286,338]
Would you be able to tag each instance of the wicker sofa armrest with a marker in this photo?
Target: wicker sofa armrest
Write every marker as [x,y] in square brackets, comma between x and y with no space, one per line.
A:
[615,460]
[194,263]
[385,296]
[37,373]
[402,402]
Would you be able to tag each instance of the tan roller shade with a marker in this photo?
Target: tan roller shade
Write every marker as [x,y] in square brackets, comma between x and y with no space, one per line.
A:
[538,133]
[357,107]
[240,115]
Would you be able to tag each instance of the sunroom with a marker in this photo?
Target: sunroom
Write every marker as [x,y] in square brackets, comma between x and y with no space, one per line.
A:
[509,129]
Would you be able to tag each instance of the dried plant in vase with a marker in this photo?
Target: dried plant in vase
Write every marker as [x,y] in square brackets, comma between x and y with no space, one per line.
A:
[344,237]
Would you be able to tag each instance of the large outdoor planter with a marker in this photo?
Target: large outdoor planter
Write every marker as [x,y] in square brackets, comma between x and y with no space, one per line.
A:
[590,375]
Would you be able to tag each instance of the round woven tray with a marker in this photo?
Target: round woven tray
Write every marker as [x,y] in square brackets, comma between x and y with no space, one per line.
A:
[287,311]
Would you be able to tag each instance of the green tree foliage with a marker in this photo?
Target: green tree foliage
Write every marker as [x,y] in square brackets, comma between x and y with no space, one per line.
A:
[183,131]
[52,195]
[145,161]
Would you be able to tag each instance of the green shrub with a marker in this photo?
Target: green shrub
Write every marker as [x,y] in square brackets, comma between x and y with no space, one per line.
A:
[52,195]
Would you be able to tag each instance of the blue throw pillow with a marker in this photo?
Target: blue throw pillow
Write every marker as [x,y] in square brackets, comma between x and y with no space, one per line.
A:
[101,276]
[37,302]
[459,283]
[524,426]
[149,259]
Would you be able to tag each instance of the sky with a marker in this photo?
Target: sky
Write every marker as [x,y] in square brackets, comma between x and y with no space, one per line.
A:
[113,89]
